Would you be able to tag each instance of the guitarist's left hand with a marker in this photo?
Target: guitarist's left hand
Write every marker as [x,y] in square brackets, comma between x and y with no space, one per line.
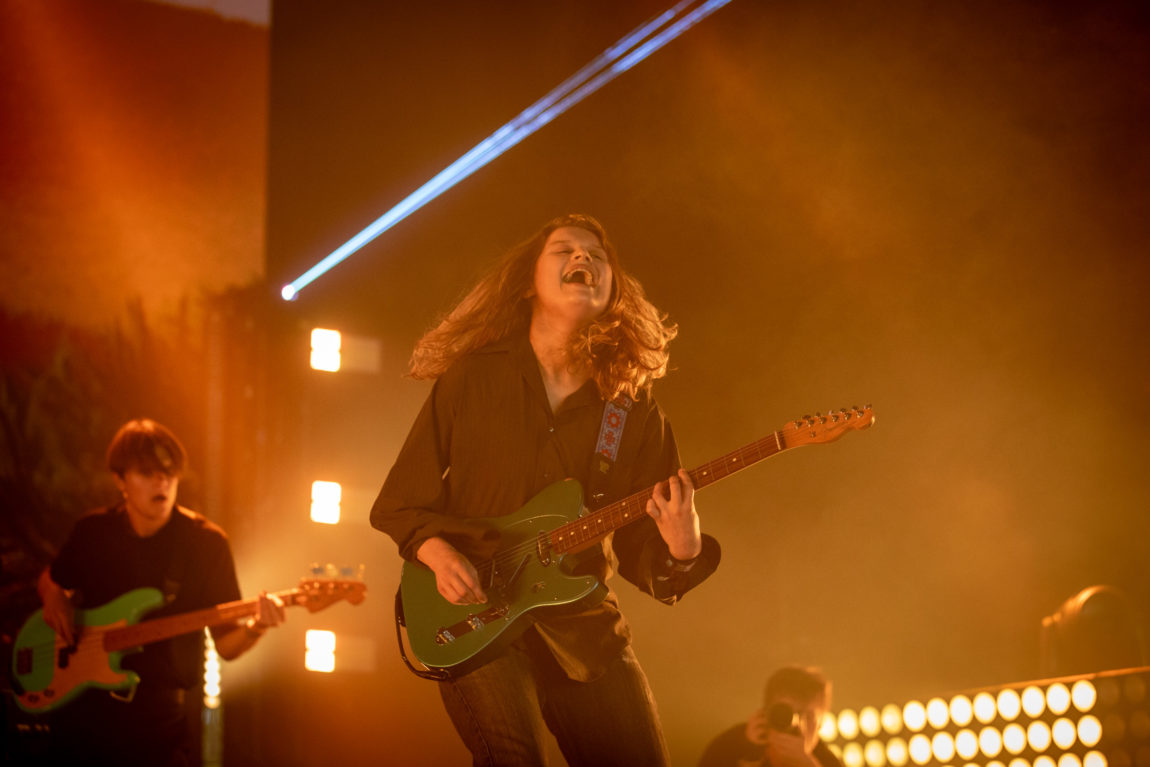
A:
[269,611]
[672,506]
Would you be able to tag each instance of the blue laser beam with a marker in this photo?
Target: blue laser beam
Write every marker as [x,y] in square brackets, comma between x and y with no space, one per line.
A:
[618,58]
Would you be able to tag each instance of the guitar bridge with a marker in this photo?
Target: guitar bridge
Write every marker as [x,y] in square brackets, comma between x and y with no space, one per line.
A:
[473,622]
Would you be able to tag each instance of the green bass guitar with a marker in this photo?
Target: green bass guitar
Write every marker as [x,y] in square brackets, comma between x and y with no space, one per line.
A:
[48,672]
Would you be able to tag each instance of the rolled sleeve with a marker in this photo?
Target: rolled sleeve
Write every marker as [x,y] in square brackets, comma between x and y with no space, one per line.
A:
[643,557]
[409,506]
[414,503]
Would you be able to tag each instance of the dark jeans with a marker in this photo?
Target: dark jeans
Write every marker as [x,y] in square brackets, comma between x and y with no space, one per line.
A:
[97,730]
[500,711]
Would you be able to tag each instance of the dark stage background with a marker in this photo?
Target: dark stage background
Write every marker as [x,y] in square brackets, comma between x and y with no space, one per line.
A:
[937,209]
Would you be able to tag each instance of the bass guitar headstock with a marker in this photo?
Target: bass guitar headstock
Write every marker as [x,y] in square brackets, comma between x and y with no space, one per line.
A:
[819,428]
[327,584]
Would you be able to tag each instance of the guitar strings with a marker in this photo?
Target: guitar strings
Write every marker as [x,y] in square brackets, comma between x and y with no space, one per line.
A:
[90,642]
[700,477]
[508,556]
[91,638]
[241,608]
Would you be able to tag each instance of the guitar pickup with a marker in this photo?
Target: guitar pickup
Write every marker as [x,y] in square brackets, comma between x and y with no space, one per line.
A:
[473,622]
[498,581]
[543,549]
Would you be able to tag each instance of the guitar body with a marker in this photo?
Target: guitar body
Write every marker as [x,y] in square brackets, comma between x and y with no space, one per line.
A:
[50,673]
[524,577]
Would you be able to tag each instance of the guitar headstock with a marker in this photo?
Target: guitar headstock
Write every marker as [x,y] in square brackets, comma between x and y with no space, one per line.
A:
[327,585]
[819,429]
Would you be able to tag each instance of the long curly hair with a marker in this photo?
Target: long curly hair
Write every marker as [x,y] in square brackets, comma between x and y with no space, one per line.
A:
[625,347]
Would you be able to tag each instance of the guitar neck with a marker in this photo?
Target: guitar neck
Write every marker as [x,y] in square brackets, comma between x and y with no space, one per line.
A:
[159,629]
[595,525]
[726,465]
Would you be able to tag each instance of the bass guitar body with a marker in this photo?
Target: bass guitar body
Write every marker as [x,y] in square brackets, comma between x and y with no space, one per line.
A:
[526,574]
[50,672]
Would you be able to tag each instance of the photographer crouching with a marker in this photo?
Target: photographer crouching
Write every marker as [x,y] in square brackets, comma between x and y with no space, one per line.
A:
[785,731]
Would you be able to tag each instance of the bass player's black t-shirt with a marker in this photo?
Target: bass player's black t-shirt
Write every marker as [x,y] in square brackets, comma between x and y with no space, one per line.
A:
[188,560]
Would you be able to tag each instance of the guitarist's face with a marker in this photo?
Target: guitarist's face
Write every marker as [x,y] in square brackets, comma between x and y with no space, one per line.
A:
[572,276]
[149,496]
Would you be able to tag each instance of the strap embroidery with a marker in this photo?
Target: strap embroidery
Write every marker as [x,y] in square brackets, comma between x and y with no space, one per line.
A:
[607,447]
[611,432]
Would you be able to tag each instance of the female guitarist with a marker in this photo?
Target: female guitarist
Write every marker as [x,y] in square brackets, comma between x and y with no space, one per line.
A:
[543,372]
[144,541]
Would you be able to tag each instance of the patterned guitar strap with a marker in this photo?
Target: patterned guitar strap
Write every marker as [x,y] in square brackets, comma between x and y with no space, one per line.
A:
[607,447]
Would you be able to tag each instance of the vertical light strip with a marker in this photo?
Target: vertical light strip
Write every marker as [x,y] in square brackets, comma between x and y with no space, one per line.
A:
[629,51]
[211,734]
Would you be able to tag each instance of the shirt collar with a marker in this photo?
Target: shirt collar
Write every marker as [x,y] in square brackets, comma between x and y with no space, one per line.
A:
[523,356]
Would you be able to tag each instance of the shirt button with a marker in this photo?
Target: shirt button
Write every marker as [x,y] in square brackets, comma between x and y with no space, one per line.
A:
[551,429]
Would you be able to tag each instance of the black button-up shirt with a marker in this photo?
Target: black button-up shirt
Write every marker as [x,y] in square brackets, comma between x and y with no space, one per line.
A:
[486,441]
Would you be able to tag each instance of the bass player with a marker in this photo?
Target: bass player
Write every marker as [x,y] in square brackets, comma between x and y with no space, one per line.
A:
[145,540]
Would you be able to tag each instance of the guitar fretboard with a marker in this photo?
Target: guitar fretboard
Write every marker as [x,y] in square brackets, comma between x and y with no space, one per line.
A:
[597,524]
[159,629]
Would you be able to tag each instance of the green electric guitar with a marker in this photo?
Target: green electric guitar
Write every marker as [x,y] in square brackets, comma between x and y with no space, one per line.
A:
[48,672]
[528,571]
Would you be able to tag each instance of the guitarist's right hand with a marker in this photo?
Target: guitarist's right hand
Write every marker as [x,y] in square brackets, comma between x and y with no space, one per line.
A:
[455,576]
[59,613]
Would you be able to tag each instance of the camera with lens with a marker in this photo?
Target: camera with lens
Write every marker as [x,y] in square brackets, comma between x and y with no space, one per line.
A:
[783,718]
